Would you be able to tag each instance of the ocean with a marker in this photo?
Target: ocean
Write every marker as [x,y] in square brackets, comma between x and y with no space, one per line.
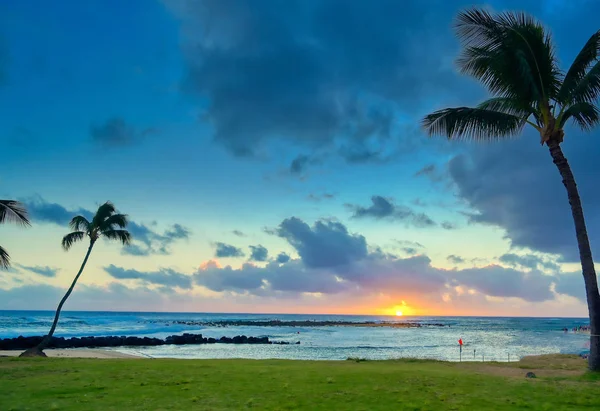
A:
[484,338]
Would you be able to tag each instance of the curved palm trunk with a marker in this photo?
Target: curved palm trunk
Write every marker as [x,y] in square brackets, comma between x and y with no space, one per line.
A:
[585,252]
[38,350]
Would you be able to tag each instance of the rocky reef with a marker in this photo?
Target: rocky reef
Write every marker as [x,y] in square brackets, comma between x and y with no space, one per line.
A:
[23,343]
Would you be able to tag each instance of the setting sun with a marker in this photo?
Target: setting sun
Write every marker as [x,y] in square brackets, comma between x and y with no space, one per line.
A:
[398,313]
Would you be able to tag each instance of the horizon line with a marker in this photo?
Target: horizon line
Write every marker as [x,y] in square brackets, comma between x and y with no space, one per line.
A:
[273,313]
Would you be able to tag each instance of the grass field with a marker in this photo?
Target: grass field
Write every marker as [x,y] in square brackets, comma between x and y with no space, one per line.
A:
[155,384]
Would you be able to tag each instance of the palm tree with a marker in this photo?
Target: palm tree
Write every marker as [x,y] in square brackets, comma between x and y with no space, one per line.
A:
[512,54]
[106,223]
[13,212]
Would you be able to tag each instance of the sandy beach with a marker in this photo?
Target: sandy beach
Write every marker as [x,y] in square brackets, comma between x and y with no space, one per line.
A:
[74,353]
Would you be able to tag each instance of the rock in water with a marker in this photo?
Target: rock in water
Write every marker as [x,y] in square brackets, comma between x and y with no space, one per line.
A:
[530,375]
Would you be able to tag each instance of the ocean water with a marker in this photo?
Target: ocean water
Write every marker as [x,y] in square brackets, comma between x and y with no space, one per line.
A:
[484,338]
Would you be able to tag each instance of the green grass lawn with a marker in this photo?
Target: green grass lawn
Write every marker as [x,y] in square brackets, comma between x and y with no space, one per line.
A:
[156,384]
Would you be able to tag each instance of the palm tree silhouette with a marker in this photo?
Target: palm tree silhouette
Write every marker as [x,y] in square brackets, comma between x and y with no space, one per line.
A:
[512,54]
[106,223]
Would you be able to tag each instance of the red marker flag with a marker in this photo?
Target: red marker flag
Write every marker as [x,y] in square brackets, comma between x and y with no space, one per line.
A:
[460,342]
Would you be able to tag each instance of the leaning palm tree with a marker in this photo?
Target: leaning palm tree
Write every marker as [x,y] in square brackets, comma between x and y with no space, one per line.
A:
[12,212]
[512,54]
[106,223]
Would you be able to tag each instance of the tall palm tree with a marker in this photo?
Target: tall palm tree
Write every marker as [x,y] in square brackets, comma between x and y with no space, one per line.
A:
[513,55]
[106,223]
[12,212]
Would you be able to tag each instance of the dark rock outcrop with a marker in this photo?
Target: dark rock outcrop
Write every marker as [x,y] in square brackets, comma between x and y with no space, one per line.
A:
[23,343]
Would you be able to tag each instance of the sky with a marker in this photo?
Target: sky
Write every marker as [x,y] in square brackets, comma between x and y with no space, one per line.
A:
[270,158]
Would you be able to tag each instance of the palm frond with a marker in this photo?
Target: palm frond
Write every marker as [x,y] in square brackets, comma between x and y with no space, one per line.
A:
[72,238]
[588,88]
[121,235]
[585,115]
[510,53]
[80,223]
[472,124]
[104,211]
[509,106]
[4,259]
[13,212]
[587,57]
[114,221]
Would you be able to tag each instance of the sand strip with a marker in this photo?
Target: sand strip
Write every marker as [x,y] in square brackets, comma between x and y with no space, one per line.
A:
[74,353]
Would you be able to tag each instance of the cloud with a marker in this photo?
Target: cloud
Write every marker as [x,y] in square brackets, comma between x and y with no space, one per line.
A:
[324,245]
[414,276]
[497,281]
[409,243]
[530,261]
[164,277]
[282,258]
[44,271]
[319,197]
[301,163]
[428,170]
[145,240]
[238,233]
[410,250]
[225,250]
[455,259]
[515,186]
[383,208]
[46,212]
[447,225]
[258,253]
[113,296]
[116,132]
[325,75]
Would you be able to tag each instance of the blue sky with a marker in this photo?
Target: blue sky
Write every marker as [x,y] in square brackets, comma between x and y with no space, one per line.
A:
[290,127]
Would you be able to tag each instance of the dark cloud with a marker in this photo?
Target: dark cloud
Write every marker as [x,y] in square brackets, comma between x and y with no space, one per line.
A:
[282,258]
[45,212]
[238,233]
[410,250]
[428,170]
[455,259]
[514,185]
[44,271]
[447,225]
[145,240]
[326,244]
[258,253]
[383,208]
[226,250]
[164,277]
[301,163]
[571,284]
[116,132]
[530,261]
[414,244]
[319,197]
[323,74]
[433,173]
[497,281]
